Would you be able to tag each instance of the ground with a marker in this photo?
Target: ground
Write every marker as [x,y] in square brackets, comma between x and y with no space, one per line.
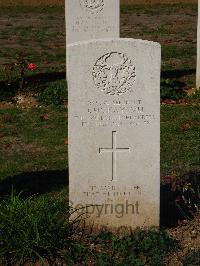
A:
[40,34]
[188,235]
[33,136]
[61,2]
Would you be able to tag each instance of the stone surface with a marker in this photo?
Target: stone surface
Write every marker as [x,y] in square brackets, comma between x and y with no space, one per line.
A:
[91,19]
[114,132]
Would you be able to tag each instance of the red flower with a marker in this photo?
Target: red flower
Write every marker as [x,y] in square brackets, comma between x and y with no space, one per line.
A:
[31,66]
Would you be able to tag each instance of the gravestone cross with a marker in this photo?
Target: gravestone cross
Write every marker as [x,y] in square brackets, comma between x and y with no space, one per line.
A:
[114,150]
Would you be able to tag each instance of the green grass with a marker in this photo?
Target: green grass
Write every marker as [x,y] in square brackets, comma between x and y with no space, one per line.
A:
[38,230]
[36,32]
[29,33]
[173,26]
[43,42]
[29,143]
[180,145]
[33,229]
[33,154]
[159,9]
[18,10]
[178,52]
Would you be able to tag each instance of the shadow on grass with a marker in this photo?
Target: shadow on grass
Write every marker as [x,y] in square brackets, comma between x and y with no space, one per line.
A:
[38,82]
[177,73]
[46,77]
[32,183]
[33,83]
[169,214]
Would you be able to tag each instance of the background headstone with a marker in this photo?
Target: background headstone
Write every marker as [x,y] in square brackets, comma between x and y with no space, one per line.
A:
[91,19]
[114,131]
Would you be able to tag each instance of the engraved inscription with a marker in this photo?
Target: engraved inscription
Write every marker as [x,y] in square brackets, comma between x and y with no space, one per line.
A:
[118,113]
[114,73]
[93,5]
[114,150]
[113,192]
[90,24]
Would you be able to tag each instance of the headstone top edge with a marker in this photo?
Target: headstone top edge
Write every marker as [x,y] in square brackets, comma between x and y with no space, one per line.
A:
[107,40]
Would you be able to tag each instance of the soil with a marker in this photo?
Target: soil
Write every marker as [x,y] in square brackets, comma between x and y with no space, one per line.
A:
[157,1]
[188,235]
[61,2]
[31,2]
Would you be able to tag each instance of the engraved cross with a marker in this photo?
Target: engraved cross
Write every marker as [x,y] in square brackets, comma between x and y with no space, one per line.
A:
[114,150]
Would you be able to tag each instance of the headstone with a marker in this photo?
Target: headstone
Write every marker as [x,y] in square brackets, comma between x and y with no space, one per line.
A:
[114,132]
[198,49]
[91,19]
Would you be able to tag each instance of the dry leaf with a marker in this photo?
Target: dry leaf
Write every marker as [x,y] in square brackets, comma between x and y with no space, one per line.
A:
[185,126]
[44,117]
[169,101]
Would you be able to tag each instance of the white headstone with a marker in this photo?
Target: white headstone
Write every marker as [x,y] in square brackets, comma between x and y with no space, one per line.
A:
[91,19]
[198,49]
[114,131]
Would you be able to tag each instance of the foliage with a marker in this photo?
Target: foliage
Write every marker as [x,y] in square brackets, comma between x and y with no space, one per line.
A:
[104,259]
[104,237]
[139,248]
[180,196]
[33,229]
[171,89]
[149,246]
[195,97]
[78,253]
[38,229]
[192,258]
[14,73]
[55,93]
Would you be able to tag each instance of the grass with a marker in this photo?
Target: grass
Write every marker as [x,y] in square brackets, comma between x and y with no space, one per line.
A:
[17,10]
[42,38]
[173,26]
[38,230]
[29,33]
[33,229]
[192,258]
[180,139]
[158,9]
[31,143]
[178,52]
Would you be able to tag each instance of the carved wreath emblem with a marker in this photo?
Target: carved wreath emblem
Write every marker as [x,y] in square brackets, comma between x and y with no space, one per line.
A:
[114,73]
[93,5]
